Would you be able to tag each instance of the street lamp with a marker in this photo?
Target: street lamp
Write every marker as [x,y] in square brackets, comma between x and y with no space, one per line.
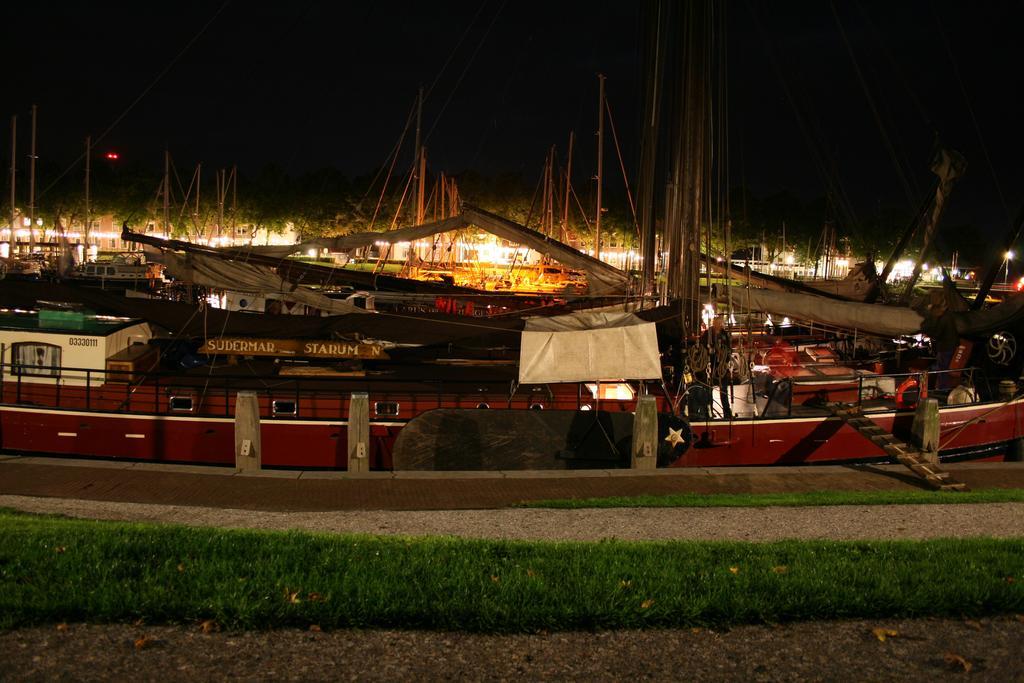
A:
[1006,266]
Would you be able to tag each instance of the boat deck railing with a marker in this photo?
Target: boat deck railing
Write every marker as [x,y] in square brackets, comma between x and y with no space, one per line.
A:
[292,396]
[875,392]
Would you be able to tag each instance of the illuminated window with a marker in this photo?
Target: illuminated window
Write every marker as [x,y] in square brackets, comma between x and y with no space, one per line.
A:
[36,358]
[613,391]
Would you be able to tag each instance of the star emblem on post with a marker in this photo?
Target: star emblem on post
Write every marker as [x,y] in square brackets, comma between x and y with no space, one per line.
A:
[675,437]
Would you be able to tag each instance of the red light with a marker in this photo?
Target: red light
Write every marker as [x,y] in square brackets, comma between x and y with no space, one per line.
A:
[113,156]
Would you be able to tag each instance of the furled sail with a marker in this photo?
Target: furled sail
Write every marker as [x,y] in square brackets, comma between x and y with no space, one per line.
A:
[876,318]
[247,277]
[602,278]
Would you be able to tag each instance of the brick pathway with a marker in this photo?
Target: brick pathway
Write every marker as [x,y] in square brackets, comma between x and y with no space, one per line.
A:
[313,491]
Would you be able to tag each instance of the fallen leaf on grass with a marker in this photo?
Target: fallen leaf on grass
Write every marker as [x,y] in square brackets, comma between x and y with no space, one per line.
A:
[292,596]
[181,566]
[315,628]
[695,629]
[62,627]
[625,583]
[315,597]
[734,570]
[646,604]
[530,573]
[59,549]
[883,633]
[957,662]
[144,642]
[209,626]
[781,569]
[1010,579]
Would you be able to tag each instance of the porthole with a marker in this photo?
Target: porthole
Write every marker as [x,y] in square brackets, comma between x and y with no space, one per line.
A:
[536,406]
[385,408]
[482,406]
[180,404]
[586,406]
[284,408]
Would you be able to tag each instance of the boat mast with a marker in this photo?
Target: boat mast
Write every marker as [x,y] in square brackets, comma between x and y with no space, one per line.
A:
[167,192]
[568,181]
[600,163]
[88,170]
[14,171]
[418,160]
[32,187]
[222,189]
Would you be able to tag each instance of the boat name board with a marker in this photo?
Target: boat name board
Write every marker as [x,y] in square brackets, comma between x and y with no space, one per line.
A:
[235,346]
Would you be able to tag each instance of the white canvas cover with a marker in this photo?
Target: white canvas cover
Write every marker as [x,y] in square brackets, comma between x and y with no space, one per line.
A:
[625,352]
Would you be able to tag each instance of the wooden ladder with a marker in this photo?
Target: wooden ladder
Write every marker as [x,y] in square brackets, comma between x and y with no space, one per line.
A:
[904,453]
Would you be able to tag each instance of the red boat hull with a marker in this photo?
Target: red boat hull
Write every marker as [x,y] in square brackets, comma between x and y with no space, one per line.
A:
[319,438]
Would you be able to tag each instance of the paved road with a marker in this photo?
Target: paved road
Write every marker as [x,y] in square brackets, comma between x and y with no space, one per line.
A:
[848,522]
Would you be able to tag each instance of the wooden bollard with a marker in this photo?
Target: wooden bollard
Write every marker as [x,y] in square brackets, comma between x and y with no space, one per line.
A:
[645,434]
[359,432]
[925,428]
[248,449]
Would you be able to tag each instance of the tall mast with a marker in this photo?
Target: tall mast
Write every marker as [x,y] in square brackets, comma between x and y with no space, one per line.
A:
[199,179]
[222,190]
[568,188]
[32,187]
[418,161]
[234,200]
[600,163]
[88,170]
[422,188]
[167,192]
[14,171]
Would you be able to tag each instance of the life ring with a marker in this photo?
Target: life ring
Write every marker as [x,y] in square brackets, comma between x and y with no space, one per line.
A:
[907,385]
[674,439]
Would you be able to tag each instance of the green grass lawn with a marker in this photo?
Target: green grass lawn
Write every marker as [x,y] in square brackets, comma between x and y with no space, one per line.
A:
[56,569]
[697,500]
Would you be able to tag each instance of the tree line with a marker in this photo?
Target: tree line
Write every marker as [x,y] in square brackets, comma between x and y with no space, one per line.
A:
[327,202]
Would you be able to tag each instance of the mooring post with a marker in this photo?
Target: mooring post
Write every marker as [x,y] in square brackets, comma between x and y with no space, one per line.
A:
[248,449]
[925,429]
[359,432]
[645,434]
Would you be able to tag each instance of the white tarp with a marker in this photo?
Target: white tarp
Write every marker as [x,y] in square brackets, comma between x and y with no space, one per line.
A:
[624,352]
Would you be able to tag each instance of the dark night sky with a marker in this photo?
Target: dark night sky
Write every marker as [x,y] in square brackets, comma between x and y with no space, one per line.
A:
[306,84]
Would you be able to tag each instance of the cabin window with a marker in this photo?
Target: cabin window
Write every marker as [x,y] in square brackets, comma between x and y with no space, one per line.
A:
[612,391]
[286,408]
[181,404]
[110,271]
[35,358]
[386,408]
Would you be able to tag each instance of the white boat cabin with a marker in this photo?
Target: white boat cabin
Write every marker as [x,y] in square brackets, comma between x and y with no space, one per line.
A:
[70,347]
